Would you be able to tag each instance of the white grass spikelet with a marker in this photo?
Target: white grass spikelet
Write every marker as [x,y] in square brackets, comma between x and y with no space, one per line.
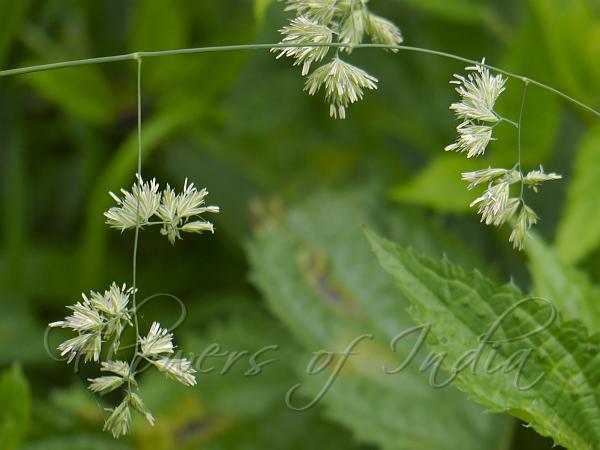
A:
[103,385]
[479,91]
[343,84]
[303,30]
[178,369]
[119,421]
[383,31]
[127,214]
[473,139]
[157,342]
[535,178]
[525,220]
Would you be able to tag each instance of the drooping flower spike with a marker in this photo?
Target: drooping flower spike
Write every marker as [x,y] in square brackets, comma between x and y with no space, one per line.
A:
[479,91]
[100,319]
[320,23]
[503,201]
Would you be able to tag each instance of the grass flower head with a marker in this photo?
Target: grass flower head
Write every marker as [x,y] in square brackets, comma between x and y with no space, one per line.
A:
[343,84]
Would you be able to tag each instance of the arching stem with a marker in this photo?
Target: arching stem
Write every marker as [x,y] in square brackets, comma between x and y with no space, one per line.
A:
[244,47]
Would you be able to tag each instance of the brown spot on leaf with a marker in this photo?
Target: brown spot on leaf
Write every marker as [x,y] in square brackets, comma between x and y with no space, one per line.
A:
[319,277]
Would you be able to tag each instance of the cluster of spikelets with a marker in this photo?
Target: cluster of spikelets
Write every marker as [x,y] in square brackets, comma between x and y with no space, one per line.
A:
[479,91]
[320,23]
[101,318]
[175,213]
[98,318]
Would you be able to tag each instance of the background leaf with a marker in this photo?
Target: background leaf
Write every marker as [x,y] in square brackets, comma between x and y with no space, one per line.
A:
[569,288]
[260,9]
[460,10]
[81,92]
[13,14]
[240,124]
[232,409]
[570,55]
[579,230]
[78,442]
[15,399]
[321,281]
[439,185]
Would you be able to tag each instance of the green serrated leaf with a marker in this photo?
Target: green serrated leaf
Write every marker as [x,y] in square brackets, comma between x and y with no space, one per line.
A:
[579,230]
[15,399]
[321,280]
[554,384]
[569,288]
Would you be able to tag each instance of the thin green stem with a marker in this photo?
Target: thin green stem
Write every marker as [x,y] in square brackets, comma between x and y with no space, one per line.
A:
[138,225]
[139,115]
[226,48]
[512,122]
[141,357]
[520,136]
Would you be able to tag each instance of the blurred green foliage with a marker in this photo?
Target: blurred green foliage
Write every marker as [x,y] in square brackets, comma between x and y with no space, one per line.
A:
[323,282]
[16,408]
[239,124]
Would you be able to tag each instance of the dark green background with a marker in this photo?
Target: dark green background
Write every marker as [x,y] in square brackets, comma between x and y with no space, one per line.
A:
[239,124]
